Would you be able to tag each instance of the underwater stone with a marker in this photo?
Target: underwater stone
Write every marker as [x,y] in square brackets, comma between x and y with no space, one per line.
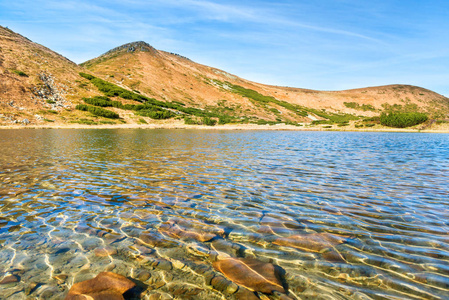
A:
[144,275]
[10,279]
[103,252]
[106,285]
[252,273]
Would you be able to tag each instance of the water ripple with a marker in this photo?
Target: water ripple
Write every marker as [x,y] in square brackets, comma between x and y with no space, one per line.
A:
[74,203]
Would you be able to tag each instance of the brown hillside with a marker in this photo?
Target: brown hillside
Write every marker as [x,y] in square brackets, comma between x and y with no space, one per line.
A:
[171,77]
[168,76]
[35,83]
[38,85]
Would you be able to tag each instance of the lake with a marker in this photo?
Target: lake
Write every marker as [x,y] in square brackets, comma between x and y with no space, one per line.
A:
[342,215]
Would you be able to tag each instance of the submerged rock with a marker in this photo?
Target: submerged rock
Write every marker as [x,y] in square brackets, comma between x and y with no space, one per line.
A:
[174,230]
[149,238]
[106,285]
[105,251]
[323,243]
[10,279]
[252,274]
[245,294]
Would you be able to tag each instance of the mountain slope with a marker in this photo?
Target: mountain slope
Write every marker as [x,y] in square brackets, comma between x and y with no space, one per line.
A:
[35,80]
[171,77]
[38,86]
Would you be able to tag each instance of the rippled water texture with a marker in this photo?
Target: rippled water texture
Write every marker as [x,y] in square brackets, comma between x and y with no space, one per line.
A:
[345,215]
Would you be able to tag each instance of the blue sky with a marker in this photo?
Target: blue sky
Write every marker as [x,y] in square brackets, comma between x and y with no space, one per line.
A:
[322,44]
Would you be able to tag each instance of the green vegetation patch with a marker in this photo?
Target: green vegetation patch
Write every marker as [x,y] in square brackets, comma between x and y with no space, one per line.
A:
[20,73]
[208,121]
[156,113]
[98,111]
[190,121]
[150,108]
[320,122]
[364,107]
[402,120]
[398,108]
[332,117]
[84,122]
[203,121]
[262,99]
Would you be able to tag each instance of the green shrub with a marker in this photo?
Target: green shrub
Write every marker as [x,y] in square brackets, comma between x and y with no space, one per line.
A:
[50,101]
[318,122]
[20,73]
[351,105]
[84,121]
[366,107]
[87,76]
[355,105]
[265,122]
[107,122]
[98,111]
[142,121]
[208,121]
[101,101]
[190,121]
[156,114]
[178,103]
[224,120]
[402,120]
[372,119]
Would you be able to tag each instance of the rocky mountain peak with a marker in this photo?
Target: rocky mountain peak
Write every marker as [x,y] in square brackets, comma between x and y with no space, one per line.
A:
[133,47]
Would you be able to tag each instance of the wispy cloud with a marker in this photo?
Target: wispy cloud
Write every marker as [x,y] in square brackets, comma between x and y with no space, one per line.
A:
[321,44]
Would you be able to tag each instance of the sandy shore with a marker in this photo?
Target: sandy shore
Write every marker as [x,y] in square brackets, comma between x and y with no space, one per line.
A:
[218,127]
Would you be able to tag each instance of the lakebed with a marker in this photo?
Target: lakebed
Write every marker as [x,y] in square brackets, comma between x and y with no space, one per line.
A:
[344,215]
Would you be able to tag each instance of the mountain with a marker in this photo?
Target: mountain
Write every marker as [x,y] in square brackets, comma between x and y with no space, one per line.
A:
[171,77]
[36,83]
[143,84]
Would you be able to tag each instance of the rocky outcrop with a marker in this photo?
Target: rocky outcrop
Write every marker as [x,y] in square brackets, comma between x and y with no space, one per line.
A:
[50,93]
[133,47]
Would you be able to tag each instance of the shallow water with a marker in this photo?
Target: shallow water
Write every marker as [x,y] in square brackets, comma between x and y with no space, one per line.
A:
[368,212]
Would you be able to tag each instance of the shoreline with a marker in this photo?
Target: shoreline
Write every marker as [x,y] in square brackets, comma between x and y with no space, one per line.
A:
[219,127]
